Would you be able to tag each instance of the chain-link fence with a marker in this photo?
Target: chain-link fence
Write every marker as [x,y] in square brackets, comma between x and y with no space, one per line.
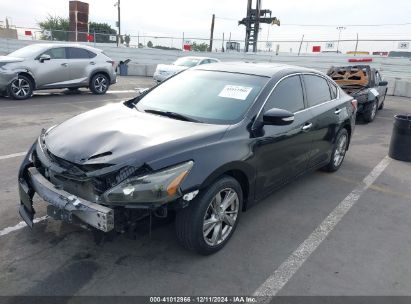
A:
[357,46]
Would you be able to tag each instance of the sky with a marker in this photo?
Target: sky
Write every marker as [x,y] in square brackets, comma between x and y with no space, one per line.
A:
[172,18]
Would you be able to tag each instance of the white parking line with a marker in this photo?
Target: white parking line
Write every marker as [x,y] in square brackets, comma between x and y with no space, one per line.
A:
[122,91]
[21,225]
[12,155]
[290,266]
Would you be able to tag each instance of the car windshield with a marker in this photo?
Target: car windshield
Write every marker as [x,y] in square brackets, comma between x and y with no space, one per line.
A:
[187,62]
[205,96]
[29,51]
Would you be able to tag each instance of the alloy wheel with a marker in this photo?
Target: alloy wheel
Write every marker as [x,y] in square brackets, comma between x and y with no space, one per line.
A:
[220,217]
[20,87]
[100,84]
[340,150]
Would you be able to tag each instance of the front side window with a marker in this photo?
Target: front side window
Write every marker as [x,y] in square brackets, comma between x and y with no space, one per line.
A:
[206,96]
[77,53]
[377,78]
[56,53]
[317,90]
[288,95]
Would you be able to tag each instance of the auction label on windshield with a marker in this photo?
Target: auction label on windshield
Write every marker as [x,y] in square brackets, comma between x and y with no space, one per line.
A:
[236,92]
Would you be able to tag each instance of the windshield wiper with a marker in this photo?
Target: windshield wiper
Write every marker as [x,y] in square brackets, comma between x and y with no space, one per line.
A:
[172,115]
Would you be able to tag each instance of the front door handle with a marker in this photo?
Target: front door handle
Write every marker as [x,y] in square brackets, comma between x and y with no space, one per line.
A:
[337,111]
[307,126]
[64,64]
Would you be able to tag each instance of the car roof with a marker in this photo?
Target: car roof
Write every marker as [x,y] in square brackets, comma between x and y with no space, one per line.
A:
[265,69]
[50,45]
[197,57]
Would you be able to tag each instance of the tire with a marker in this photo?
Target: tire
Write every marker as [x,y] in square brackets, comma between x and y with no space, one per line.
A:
[371,112]
[382,103]
[99,84]
[202,212]
[339,149]
[21,88]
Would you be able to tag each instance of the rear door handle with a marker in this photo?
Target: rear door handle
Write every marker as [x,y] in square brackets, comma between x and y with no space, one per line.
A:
[337,111]
[307,126]
[92,63]
[64,64]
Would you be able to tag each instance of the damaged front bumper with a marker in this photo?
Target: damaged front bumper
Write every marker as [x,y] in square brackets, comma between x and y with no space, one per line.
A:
[6,77]
[62,205]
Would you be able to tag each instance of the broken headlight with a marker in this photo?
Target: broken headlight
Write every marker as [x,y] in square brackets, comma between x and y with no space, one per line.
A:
[159,187]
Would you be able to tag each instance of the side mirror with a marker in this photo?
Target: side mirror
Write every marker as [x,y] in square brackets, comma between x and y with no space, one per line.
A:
[278,117]
[383,83]
[44,57]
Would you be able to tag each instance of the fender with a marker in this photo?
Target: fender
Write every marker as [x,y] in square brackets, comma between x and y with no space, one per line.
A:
[233,168]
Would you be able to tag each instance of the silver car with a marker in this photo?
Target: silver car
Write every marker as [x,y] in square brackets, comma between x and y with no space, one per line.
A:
[55,66]
[164,71]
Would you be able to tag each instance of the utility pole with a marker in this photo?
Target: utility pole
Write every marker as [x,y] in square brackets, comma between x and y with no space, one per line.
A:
[356,46]
[301,43]
[118,22]
[212,33]
[339,28]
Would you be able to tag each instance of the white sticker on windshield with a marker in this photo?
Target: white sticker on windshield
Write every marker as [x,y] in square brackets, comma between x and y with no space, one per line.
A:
[236,92]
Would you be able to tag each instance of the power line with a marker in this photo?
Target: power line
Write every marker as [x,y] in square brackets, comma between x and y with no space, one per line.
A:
[329,25]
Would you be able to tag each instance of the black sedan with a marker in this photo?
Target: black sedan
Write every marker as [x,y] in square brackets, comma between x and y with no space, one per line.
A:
[206,144]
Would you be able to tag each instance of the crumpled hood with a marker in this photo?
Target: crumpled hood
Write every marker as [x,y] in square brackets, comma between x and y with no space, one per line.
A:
[171,68]
[7,59]
[121,134]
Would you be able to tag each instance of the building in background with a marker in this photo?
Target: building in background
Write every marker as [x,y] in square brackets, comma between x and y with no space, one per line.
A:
[78,23]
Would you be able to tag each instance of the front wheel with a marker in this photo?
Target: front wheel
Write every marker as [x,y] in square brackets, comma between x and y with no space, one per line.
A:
[99,84]
[371,112]
[21,88]
[207,224]
[338,153]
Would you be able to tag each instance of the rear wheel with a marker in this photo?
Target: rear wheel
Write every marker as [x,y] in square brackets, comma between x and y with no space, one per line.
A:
[371,112]
[339,150]
[21,88]
[209,221]
[99,84]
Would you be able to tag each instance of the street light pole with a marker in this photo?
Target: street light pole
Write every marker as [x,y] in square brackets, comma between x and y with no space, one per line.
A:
[118,22]
[339,28]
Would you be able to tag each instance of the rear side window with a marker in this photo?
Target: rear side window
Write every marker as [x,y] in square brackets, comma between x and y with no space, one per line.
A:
[288,95]
[317,90]
[334,90]
[91,54]
[77,53]
[56,53]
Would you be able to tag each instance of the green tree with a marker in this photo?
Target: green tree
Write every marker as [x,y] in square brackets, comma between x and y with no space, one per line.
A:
[58,26]
[202,47]
[103,32]
[150,44]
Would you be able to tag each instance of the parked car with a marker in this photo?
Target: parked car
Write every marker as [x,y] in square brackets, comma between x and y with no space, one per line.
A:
[55,66]
[207,144]
[164,71]
[365,84]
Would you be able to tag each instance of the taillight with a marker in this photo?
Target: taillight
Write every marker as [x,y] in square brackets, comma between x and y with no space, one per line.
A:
[112,63]
[354,104]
